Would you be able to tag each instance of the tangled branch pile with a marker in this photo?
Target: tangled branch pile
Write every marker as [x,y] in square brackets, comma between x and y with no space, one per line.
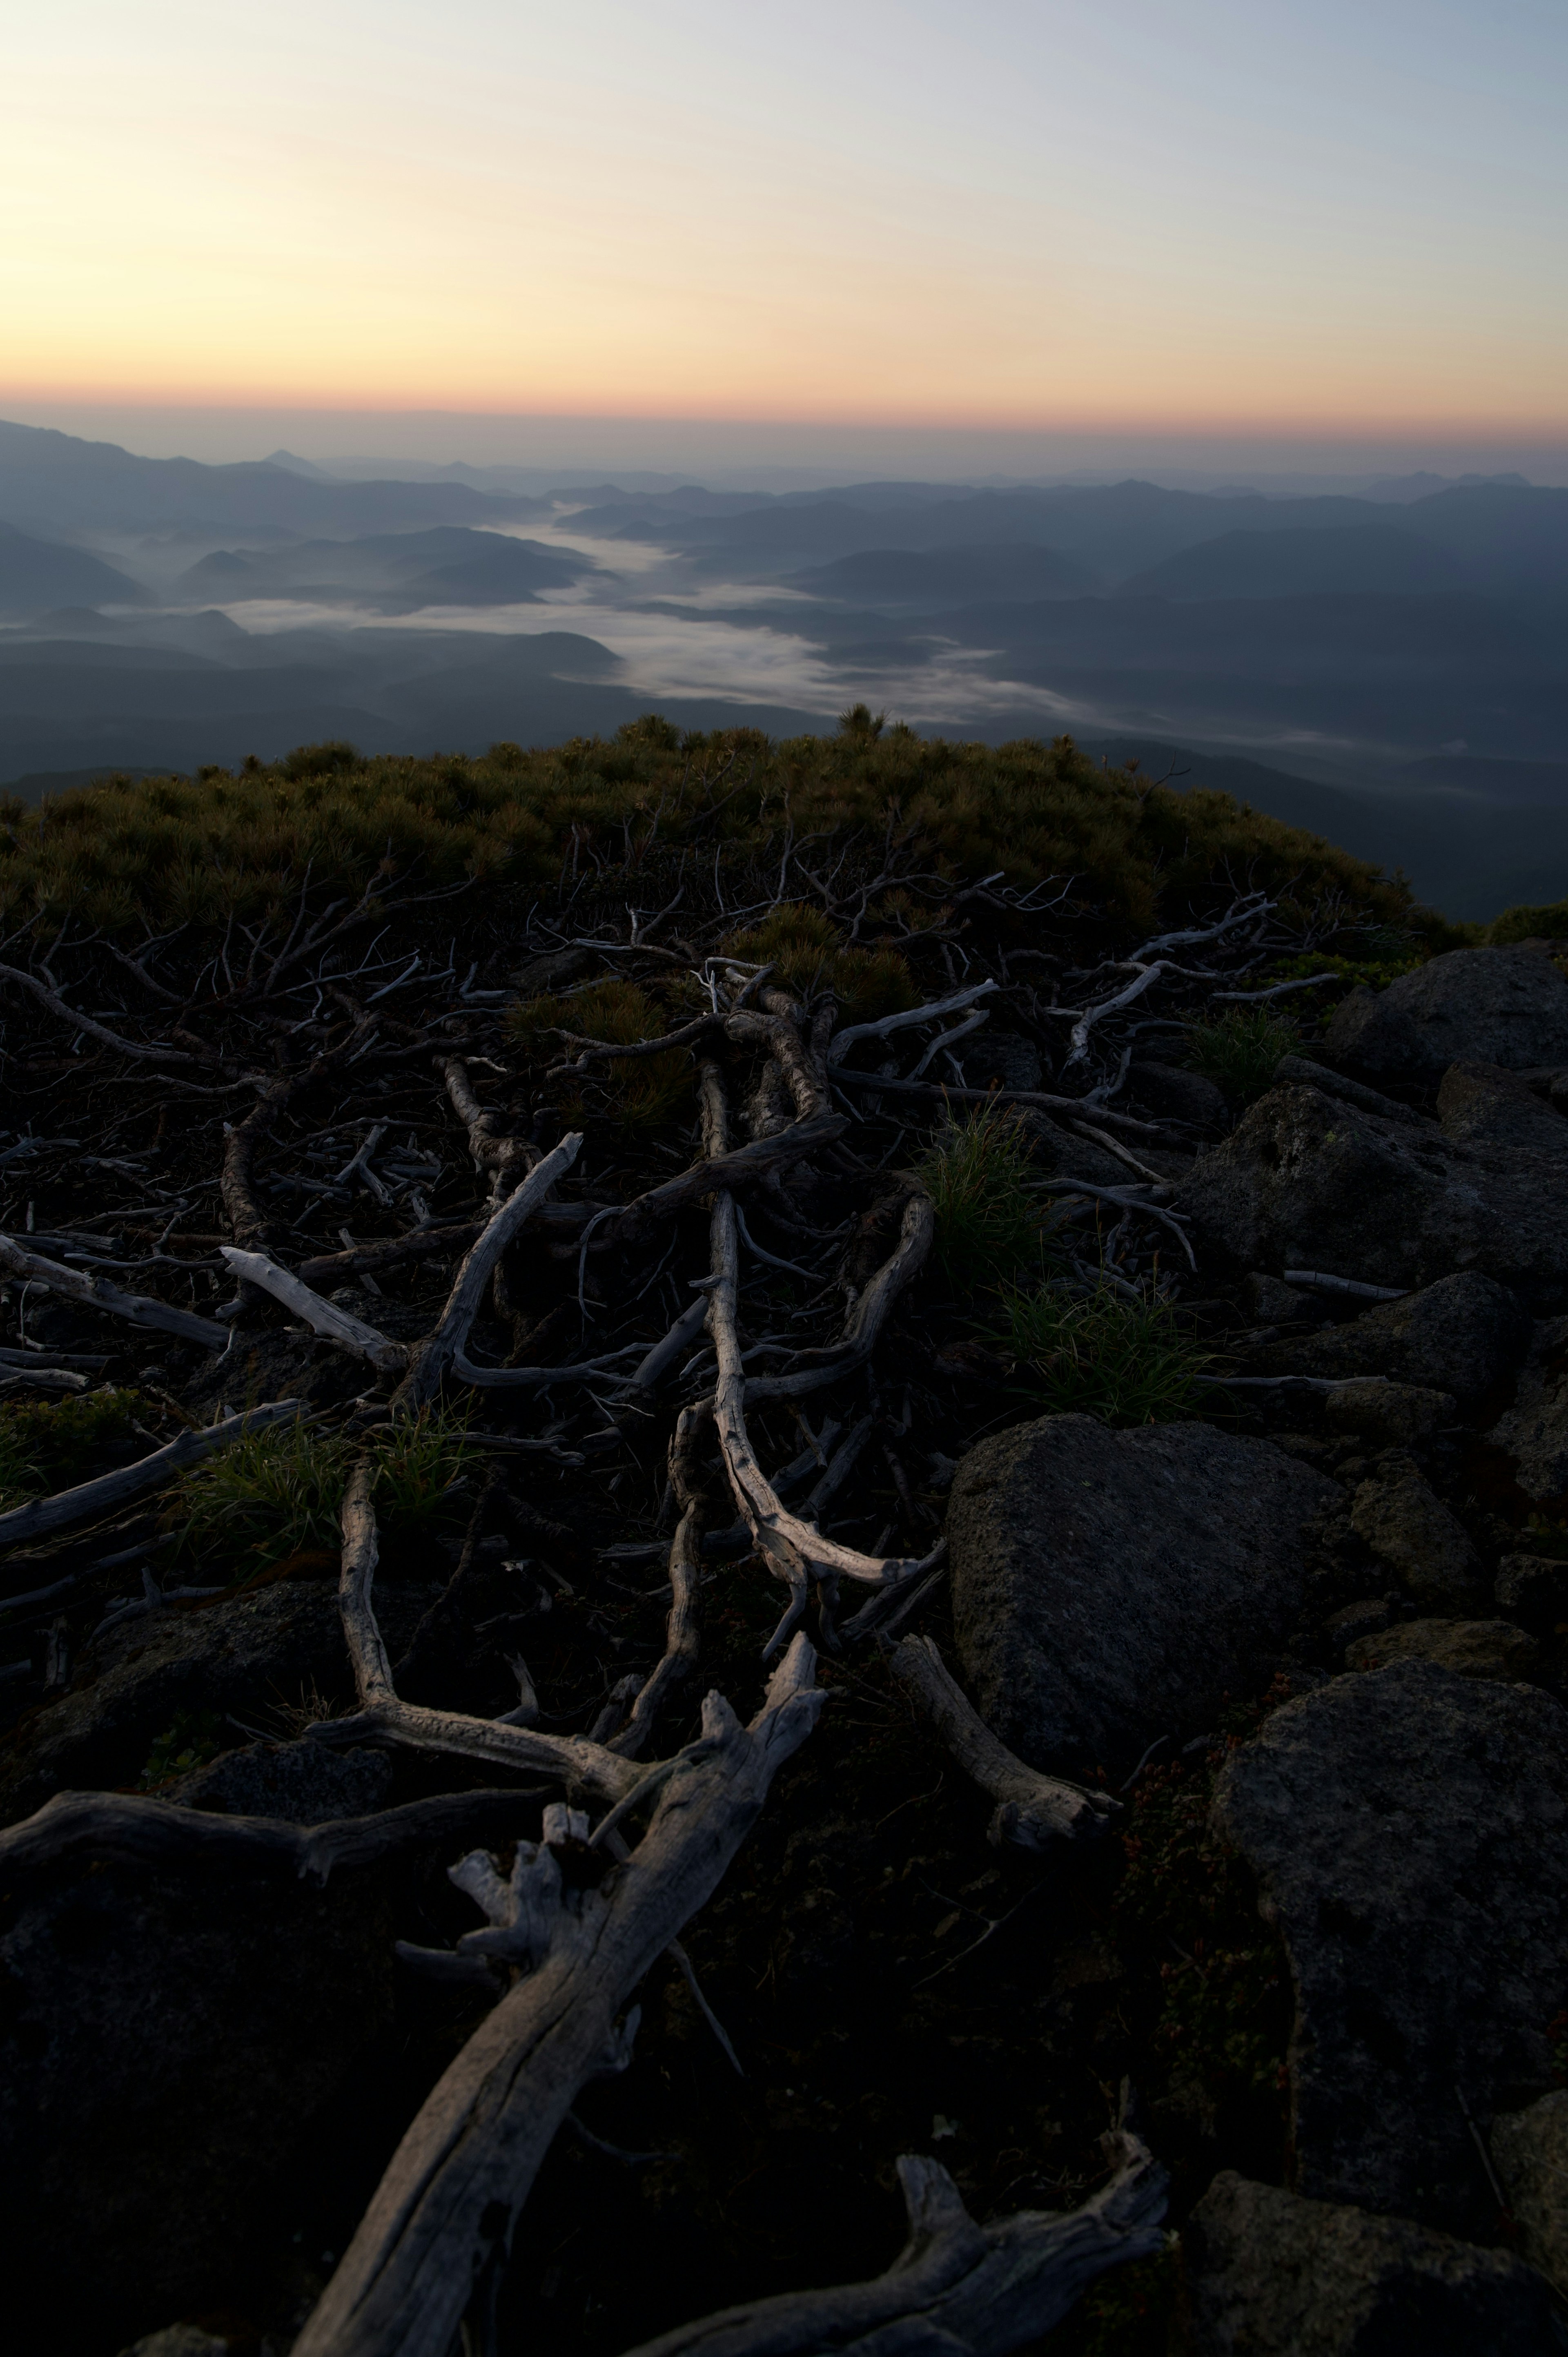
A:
[652,1159]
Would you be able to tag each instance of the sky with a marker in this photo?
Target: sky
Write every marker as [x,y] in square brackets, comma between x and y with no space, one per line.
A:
[1304,219]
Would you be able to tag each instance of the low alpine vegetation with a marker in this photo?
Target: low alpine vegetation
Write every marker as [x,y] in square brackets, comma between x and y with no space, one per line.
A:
[1128,1362]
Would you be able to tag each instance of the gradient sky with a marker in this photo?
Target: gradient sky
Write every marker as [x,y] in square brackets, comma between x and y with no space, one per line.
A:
[1291,215]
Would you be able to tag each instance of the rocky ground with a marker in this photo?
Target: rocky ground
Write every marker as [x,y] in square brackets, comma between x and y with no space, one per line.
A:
[1311,1636]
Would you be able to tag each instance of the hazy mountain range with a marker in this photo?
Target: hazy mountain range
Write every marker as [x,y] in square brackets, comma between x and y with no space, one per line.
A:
[1388,668]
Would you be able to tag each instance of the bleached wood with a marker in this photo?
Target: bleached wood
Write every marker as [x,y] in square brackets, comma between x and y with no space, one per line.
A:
[43,1516]
[350,1334]
[956,2290]
[98,1293]
[442,2216]
[574,1759]
[784,1537]
[1032,1810]
[435,1356]
[145,1831]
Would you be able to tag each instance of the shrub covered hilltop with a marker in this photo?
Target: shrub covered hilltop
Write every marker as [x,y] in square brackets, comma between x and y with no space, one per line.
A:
[1047,1293]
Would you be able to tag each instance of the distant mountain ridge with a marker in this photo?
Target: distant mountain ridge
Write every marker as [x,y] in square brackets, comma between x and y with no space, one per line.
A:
[55,480]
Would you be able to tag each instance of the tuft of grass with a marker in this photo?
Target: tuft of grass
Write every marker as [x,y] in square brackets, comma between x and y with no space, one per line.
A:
[1128,1362]
[991,1220]
[1238,1051]
[280,1494]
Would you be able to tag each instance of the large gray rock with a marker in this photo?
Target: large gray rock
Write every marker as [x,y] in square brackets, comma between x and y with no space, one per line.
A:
[1274,2275]
[1175,1094]
[1507,1006]
[1112,1587]
[1464,1335]
[1534,1431]
[1309,1181]
[1409,1831]
[1530,2153]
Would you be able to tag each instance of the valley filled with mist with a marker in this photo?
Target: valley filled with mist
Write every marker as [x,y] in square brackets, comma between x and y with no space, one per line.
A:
[1385,667]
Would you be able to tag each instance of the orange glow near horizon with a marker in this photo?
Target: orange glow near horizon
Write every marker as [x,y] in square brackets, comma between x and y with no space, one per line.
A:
[692,215]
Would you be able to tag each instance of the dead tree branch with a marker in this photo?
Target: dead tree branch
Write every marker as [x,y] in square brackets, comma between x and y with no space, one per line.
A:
[442,2216]
[956,2290]
[43,1516]
[1032,1810]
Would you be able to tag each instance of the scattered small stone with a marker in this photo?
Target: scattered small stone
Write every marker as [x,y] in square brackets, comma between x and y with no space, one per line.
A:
[1275,2275]
[1471,1649]
[1381,1411]
[1535,1588]
[1530,2153]
[1406,1524]
[1409,1830]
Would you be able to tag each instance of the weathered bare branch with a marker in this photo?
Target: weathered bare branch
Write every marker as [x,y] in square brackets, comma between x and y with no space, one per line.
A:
[43,1516]
[350,1334]
[956,2290]
[97,1293]
[436,1355]
[144,1831]
[442,2217]
[1032,1810]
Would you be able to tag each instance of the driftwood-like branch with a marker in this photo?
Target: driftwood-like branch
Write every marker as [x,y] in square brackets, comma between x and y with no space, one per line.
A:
[885,1024]
[420,1244]
[97,1293]
[43,1516]
[505,1158]
[794,1550]
[956,2290]
[95,1031]
[1032,1810]
[774,1031]
[437,1353]
[140,1830]
[235,1186]
[350,1334]
[576,1760]
[1316,1281]
[442,2216]
[862,1326]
